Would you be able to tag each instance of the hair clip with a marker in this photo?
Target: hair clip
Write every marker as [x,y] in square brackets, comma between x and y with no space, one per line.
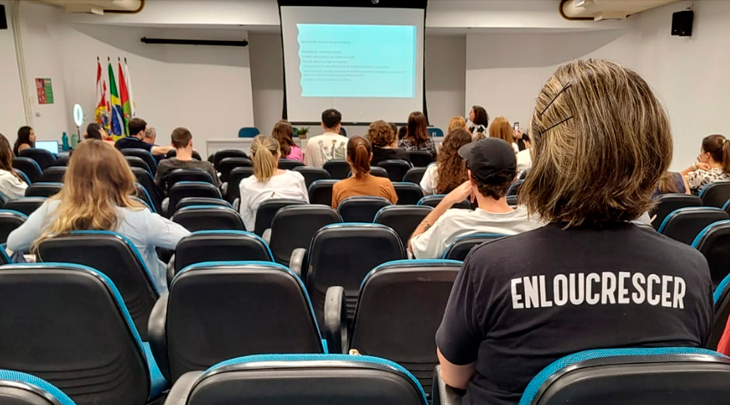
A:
[556,124]
[566,87]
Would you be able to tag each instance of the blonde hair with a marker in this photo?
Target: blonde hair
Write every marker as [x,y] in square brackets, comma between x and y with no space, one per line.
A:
[589,165]
[98,181]
[502,129]
[456,123]
[265,153]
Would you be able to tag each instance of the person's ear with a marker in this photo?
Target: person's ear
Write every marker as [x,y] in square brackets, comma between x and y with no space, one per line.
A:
[190,145]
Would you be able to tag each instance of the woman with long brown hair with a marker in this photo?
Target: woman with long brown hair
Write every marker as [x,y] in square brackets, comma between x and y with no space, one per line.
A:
[417,135]
[26,139]
[501,128]
[362,183]
[713,163]
[12,186]
[284,133]
[449,171]
[97,195]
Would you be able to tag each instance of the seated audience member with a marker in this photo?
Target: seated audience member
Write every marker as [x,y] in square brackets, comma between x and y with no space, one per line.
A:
[96,131]
[492,170]
[417,137]
[182,141]
[478,120]
[97,195]
[26,139]
[671,183]
[524,160]
[449,163]
[457,123]
[137,128]
[402,131]
[713,163]
[384,143]
[501,128]
[328,146]
[589,279]
[150,136]
[12,186]
[284,134]
[362,183]
[268,181]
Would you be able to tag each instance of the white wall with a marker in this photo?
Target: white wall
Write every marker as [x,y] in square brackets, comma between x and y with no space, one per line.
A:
[12,114]
[445,78]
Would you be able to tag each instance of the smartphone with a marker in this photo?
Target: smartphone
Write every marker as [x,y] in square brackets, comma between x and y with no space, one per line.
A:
[517,126]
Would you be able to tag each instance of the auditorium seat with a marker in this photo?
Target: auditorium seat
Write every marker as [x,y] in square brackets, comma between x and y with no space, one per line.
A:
[134,161]
[219,246]
[268,209]
[301,379]
[420,158]
[294,227]
[374,171]
[217,311]
[721,299]
[342,254]
[60,161]
[23,176]
[435,199]
[288,164]
[116,257]
[338,168]
[18,388]
[43,189]
[312,174]
[361,209]
[460,248]
[43,157]
[714,243]
[76,334]
[228,164]
[716,194]
[685,224]
[26,205]
[208,218]
[145,179]
[183,189]
[144,155]
[206,201]
[415,175]
[9,221]
[173,153]
[232,188]
[53,174]
[514,189]
[320,192]
[30,167]
[396,168]
[403,219]
[227,153]
[248,132]
[399,310]
[142,195]
[512,200]
[668,203]
[435,132]
[179,175]
[408,193]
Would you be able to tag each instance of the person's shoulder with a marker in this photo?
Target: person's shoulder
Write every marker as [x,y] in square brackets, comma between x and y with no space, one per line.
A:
[248,181]
[292,174]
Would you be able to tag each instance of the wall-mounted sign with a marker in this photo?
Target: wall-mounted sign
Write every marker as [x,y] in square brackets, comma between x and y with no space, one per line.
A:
[45,91]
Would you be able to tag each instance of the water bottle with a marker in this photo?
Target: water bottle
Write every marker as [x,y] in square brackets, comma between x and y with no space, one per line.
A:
[64,142]
[74,140]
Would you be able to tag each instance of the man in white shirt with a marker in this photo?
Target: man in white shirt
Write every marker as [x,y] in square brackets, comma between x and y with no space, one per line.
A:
[492,169]
[328,146]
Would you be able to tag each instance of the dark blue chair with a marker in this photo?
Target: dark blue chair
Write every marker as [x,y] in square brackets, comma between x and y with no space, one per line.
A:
[23,176]
[288,164]
[685,224]
[43,157]
[312,174]
[220,246]
[460,248]
[18,388]
[716,194]
[232,188]
[227,153]
[53,174]
[26,205]
[145,179]
[338,168]
[208,218]
[10,221]
[180,175]
[142,195]
[204,201]
[434,200]
[248,132]
[267,211]
[404,219]
[514,189]
[184,189]
[421,158]
[144,155]
[227,165]
[30,167]
[414,175]
[714,243]
[134,161]
[320,192]
[721,299]
[294,227]
[668,203]
[43,189]
[435,132]
[361,209]
[408,193]
[396,168]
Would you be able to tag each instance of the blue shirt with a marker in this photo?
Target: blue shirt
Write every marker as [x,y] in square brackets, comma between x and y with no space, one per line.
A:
[133,143]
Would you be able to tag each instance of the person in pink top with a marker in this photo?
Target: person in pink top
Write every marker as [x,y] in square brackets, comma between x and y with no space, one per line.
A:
[283,132]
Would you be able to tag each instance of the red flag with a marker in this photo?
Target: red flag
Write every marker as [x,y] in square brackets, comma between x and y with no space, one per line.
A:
[124,98]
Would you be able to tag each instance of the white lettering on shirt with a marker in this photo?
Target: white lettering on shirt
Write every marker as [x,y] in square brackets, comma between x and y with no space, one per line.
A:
[650,297]
[544,302]
[679,290]
[516,297]
[532,294]
[638,280]
[560,290]
[590,298]
[666,295]
[608,290]
[577,295]
[623,292]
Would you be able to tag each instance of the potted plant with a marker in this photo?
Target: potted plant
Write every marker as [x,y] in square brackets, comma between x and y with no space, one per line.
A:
[302,132]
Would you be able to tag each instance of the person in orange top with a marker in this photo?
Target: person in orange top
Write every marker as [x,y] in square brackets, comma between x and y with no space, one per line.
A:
[362,183]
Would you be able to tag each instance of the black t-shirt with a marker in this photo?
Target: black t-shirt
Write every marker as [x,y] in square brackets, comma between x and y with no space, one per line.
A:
[380,154]
[129,142]
[521,302]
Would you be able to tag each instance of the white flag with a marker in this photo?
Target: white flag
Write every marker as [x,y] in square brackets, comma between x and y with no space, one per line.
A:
[132,104]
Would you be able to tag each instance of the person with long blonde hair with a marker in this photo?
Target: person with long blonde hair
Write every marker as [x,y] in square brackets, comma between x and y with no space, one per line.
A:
[97,194]
[12,186]
[268,181]
[501,128]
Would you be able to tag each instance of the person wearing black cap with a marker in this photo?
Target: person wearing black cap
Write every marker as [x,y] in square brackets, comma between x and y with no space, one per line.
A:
[492,169]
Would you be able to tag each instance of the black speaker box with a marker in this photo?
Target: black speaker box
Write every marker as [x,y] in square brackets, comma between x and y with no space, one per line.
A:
[682,23]
[3,18]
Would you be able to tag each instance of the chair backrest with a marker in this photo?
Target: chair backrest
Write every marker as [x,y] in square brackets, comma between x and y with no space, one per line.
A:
[267,211]
[685,224]
[435,132]
[289,164]
[408,193]
[668,203]
[407,299]
[420,158]
[312,174]
[191,174]
[435,199]
[514,189]
[145,156]
[414,175]
[234,181]
[714,243]
[43,189]
[23,176]
[134,161]
[377,171]
[117,258]
[43,157]
[30,167]
[361,208]
[320,192]
[294,227]
[228,164]
[650,376]
[227,153]
[61,161]
[53,174]
[10,221]
[208,218]
[337,168]
[220,246]
[18,388]
[396,168]
[403,219]
[310,380]
[145,179]
[512,200]
[217,311]
[342,254]
[248,132]
[460,248]
[721,299]
[25,205]
[173,153]
[191,201]
[183,189]
[79,336]
[716,194]
[144,196]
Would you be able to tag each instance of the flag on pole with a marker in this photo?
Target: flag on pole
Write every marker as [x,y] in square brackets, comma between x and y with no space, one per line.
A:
[102,113]
[117,126]
[108,126]
[124,96]
[132,104]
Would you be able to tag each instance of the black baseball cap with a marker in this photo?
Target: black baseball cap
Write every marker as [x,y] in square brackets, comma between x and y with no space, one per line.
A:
[489,159]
